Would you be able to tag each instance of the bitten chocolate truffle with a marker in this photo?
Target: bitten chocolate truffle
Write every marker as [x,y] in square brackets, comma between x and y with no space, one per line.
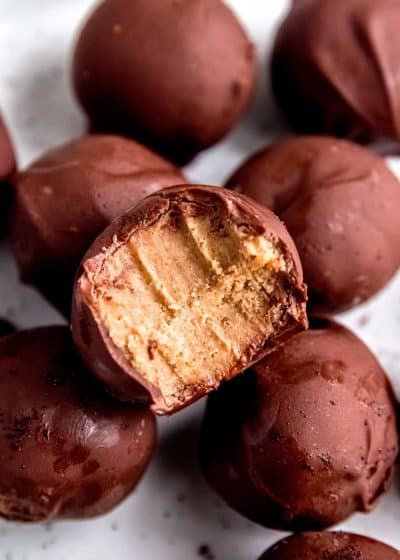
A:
[7,167]
[335,67]
[341,204]
[307,437]
[175,74]
[330,546]
[67,197]
[186,290]
[68,450]
[6,328]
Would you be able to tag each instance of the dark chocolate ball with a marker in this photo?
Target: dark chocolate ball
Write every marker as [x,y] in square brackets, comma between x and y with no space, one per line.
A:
[68,450]
[68,196]
[335,66]
[307,437]
[341,204]
[7,167]
[187,289]
[6,328]
[175,74]
[330,546]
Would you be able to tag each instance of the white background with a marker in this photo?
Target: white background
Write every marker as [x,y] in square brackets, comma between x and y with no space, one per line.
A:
[172,512]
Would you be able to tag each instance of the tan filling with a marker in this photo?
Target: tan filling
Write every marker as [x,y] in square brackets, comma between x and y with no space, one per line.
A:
[185,303]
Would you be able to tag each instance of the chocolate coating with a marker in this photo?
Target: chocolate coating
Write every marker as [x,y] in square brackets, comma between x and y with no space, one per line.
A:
[307,437]
[68,450]
[7,167]
[330,546]
[111,363]
[182,90]
[68,196]
[335,66]
[6,328]
[341,205]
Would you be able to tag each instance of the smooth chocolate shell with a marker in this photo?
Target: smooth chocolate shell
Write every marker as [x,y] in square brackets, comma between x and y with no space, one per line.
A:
[175,74]
[108,361]
[330,546]
[68,196]
[68,450]
[307,437]
[341,205]
[335,66]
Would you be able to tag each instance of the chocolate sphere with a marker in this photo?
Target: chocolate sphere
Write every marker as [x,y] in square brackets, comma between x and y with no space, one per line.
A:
[307,437]
[175,74]
[187,289]
[330,546]
[7,167]
[335,67]
[67,197]
[68,450]
[341,205]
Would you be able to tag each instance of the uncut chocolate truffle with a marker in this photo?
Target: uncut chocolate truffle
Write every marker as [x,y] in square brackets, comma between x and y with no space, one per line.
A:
[7,167]
[68,196]
[68,450]
[307,437]
[186,290]
[341,204]
[6,327]
[330,546]
[175,74]
[335,67]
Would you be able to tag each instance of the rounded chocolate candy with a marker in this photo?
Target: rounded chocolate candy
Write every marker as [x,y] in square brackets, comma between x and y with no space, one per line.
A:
[335,67]
[175,74]
[68,450]
[6,327]
[341,205]
[7,167]
[67,197]
[187,289]
[307,437]
[330,546]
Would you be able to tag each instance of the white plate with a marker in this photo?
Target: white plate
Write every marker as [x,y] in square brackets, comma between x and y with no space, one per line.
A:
[172,513]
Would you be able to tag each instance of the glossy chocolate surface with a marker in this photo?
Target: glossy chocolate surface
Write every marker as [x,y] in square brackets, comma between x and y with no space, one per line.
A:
[68,196]
[341,205]
[330,546]
[182,90]
[68,450]
[335,67]
[307,437]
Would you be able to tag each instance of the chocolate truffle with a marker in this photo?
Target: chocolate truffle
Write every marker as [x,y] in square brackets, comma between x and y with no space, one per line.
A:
[175,74]
[186,290]
[341,204]
[7,167]
[335,67]
[67,197]
[330,546]
[68,450]
[6,328]
[307,437]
